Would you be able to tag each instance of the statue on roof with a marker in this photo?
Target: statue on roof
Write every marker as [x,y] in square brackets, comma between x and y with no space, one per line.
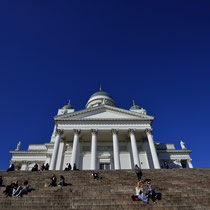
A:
[64,111]
[143,111]
[182,145]
[18,146]
[66,107]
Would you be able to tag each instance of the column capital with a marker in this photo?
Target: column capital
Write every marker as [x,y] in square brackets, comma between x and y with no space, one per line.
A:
[76,131]
[63,139]
[59,131]
[131,131]
[189,161]
[94,131]
[114,131]
[149,131]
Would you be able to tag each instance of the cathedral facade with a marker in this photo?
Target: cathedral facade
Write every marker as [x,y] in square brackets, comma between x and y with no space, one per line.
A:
[102,136]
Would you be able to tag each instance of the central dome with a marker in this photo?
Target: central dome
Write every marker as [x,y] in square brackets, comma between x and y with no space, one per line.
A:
[100,93]
[99,98]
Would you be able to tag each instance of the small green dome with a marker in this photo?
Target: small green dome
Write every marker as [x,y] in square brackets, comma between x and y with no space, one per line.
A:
[100,93]
[68,106]
[135,106]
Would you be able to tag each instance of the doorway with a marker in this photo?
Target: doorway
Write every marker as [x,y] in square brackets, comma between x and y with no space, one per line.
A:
[104,166]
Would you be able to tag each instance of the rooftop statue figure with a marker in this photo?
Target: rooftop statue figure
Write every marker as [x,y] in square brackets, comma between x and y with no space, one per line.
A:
[182,145]
[18,146]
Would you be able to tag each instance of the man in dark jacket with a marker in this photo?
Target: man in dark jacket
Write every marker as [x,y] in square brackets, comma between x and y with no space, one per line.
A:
[151,193]
[138,172]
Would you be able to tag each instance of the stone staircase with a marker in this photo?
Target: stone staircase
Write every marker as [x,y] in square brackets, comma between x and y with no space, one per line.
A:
[180,189]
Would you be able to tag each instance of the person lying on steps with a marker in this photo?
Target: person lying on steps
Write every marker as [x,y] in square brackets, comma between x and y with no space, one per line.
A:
[96,175]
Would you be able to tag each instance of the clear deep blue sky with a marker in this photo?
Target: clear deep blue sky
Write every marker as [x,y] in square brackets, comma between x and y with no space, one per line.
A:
[156,52]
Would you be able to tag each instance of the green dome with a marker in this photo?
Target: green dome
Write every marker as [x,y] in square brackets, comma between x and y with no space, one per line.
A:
[99,98]
[135,107]
[68,106]
[100,93]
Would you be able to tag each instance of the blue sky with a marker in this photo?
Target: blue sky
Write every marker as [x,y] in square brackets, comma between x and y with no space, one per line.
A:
[155,52]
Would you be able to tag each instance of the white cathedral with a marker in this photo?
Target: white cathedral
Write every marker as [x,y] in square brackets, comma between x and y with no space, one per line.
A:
[102,136]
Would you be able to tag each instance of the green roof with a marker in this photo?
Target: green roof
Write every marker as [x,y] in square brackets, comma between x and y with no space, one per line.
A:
[135,107]
[101,93]
[68,106]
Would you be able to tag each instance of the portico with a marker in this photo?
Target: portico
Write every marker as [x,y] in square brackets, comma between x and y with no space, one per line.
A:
[90,142]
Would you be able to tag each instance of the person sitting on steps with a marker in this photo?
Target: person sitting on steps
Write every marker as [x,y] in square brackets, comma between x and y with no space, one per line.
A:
[75,167]
[68,168]
[151,193]
[15,188]
[139,192]
[1,181]
[9,188]
[22,190]
[42,168]
[46,167]
[62,181]
[35,168]
[53,181]
[11,168]
[166,165]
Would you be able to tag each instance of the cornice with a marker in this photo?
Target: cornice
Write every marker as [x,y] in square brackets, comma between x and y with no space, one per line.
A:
[174,151]
[101,107]
[28,152]
[107,119]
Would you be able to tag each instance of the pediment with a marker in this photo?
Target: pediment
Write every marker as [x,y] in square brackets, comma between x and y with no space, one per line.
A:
[103,112]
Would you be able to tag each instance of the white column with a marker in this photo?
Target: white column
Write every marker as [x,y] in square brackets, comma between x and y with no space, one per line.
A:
[116,150]
[60,156]
[134,148]
[23,166]
[153,149]
[55,150]
[93,150]
[189,161]
[75,147]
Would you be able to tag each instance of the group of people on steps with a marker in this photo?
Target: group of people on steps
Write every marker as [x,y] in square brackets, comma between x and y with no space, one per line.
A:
[143,195]
[149,194]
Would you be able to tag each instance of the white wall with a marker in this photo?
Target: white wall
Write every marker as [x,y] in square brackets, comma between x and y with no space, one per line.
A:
[85,161]
[125,161]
